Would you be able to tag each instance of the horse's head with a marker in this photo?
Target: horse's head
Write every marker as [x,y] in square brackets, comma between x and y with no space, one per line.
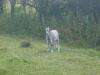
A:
[47,30]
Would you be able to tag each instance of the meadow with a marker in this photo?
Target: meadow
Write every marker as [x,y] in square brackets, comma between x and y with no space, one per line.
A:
[37,60]
[26,20]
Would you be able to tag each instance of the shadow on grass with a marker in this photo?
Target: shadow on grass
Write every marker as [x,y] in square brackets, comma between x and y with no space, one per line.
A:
[43,52]
[3,50]
[3,72]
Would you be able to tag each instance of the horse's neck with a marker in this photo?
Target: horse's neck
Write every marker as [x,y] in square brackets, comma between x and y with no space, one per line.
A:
[48,35]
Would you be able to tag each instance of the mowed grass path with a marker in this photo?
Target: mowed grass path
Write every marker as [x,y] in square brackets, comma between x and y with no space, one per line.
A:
[36,60]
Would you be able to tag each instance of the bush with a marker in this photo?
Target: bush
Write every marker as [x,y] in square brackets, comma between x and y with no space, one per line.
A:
[25,44]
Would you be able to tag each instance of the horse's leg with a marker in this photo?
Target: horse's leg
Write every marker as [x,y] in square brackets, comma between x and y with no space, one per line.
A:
[52,47]
[48,45]
[58,46]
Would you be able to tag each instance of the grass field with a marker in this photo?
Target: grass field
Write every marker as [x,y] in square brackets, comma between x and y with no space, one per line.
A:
[36,60]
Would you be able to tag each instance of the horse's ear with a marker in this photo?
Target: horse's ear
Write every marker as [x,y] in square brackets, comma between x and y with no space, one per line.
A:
[49,27]
[46,27]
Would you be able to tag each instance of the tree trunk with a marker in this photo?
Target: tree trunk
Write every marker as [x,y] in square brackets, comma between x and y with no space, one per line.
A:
[1,7]
[24,3]
[12,10]
[12,2]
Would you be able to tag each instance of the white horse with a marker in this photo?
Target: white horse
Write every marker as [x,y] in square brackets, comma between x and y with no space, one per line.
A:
[52,38]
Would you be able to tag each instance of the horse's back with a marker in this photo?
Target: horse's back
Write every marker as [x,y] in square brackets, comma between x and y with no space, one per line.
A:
[54,34]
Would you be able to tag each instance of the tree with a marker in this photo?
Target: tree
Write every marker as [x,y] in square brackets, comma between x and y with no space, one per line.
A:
[48,8]
[24,3]
[1,7]
[12,3]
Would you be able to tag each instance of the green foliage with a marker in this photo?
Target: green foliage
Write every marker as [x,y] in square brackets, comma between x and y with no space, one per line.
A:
[20,25]
[72,30]
[77,21]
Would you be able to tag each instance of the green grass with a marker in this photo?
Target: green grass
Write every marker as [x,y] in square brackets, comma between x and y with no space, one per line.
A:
[36,60]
